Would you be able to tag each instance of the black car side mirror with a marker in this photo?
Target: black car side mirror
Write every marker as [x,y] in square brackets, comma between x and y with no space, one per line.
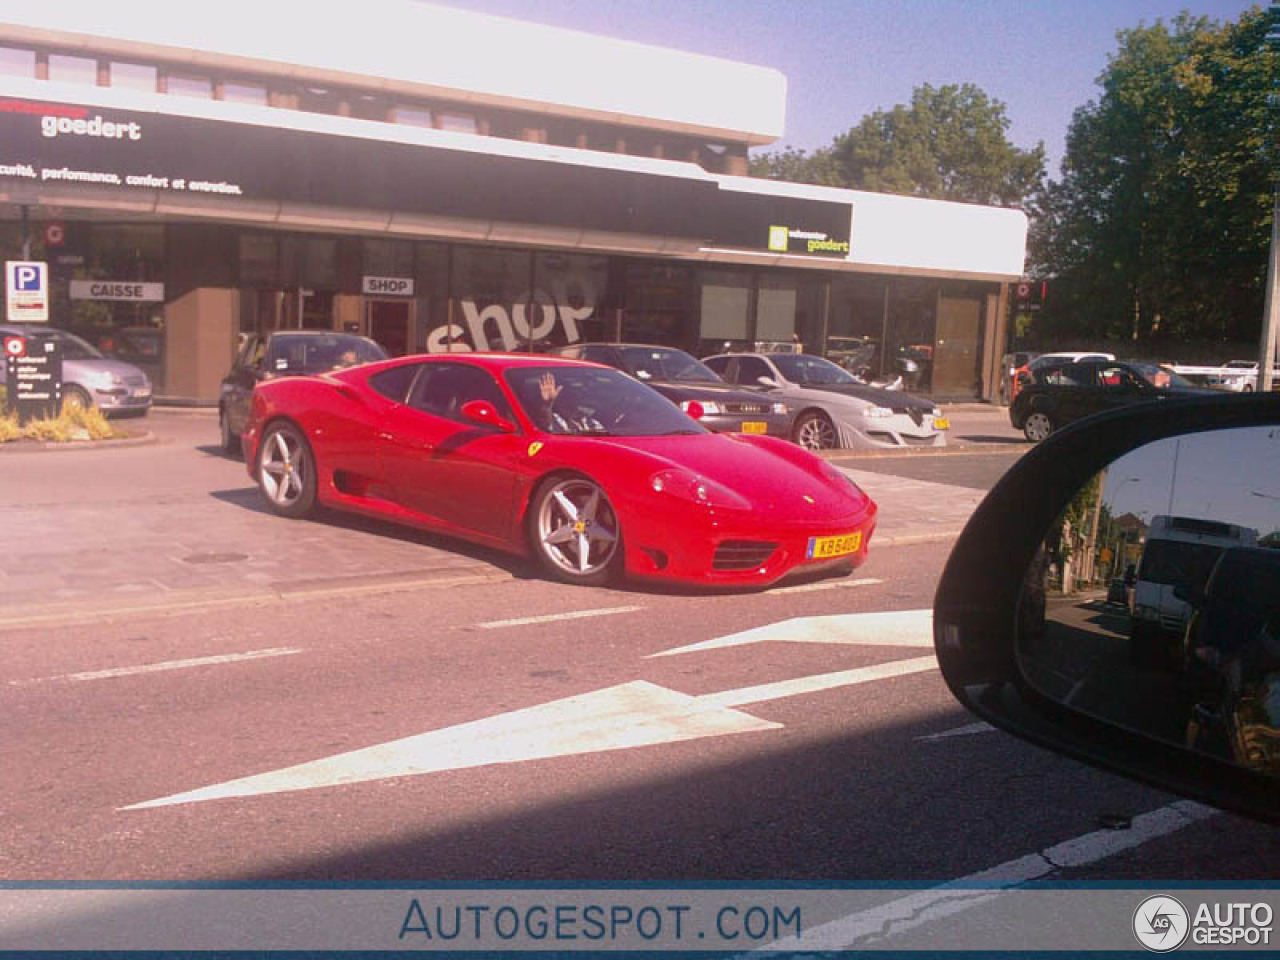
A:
[1184,491]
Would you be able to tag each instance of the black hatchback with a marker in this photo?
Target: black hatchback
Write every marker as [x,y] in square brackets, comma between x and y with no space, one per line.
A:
[692,385]
[1063,391]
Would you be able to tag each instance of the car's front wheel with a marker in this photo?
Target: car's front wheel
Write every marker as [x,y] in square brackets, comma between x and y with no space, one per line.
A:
[287,471]
[574,531]
[815,431]
[1037,426]
[76,398]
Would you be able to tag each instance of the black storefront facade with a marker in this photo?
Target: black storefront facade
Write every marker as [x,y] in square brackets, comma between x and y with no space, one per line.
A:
[168,236]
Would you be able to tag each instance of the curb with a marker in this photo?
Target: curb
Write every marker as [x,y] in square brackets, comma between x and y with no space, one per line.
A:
[39,446]
[952,450]
[191,601]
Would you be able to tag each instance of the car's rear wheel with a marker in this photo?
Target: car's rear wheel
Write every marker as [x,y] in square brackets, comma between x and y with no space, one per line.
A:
[1037,426]
[574,531]
[76,398]
[287,471]
[815,431]
[230,440]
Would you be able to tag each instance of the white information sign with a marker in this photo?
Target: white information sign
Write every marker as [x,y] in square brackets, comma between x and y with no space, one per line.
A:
[131,290]
[388,286]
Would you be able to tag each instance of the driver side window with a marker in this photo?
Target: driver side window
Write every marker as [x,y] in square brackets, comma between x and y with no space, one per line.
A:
[750,370]
[442,389]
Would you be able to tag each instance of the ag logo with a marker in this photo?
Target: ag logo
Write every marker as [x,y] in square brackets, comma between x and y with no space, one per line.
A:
[779,238]
[15,347]
[1161,923]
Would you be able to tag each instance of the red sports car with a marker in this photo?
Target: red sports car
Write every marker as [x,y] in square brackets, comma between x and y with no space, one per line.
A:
[576,464]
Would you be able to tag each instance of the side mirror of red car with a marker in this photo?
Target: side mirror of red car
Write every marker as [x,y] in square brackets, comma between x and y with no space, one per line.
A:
[486,414]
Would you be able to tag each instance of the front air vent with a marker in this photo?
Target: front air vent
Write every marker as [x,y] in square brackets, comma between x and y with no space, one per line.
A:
[742,554]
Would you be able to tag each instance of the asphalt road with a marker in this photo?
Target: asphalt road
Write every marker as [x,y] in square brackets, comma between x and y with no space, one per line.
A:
[489,725]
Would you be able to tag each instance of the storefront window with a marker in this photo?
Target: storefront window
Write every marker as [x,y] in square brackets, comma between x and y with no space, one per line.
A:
[17,63]
[187,85]
[490,289]
[725,302]
[133,76]
[116,297]
[657,301]
[244,93]
[856,331]
[913,308]
[388,258]
[568,299]
[431,286]
[458,122]
[259,260]
[65,69]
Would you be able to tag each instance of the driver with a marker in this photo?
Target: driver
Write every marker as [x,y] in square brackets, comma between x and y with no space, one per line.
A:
[557,414]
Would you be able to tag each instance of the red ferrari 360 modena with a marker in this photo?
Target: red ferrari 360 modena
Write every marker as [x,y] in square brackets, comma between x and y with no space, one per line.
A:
[575,464]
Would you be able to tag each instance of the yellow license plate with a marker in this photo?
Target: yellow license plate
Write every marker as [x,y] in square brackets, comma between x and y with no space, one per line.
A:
[822,547]
[752,426]
[941,423]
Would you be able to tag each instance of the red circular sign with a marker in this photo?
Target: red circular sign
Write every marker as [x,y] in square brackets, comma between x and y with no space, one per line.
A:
[15,347]
[54,234]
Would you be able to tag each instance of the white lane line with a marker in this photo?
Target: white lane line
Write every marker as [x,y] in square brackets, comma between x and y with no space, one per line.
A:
[872,928]
[813,587]
[894,628]
[823,681]
[965,731]
[160,667]
[555,617]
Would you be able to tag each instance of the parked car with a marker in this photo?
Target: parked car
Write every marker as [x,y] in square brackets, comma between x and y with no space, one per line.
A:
[833,408]
[283,353]
[575,464]
[88,378]
[1064,390]
[1242,378]
[690,384]
[1024,374]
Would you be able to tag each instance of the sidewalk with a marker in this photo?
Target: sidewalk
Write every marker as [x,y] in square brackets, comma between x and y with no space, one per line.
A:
[176,526]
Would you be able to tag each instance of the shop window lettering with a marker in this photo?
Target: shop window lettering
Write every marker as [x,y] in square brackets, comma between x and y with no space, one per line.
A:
[530,320]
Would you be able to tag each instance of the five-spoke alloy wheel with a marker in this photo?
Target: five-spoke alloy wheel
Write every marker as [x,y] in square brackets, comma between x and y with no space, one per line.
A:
[574,531]
[286,471]
[814,431]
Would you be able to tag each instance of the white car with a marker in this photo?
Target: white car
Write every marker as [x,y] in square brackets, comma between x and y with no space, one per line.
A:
[1243,377]
[832,407]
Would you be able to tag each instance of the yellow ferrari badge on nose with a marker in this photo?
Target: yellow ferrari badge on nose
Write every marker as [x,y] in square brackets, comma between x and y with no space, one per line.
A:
[808,499]
[534,448]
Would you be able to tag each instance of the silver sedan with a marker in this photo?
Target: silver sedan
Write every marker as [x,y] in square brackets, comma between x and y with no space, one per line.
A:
[832,407]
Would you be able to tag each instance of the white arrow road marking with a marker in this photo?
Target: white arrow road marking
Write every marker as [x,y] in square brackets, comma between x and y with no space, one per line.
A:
[965,731]
[896,628]
[636,714]
[830,585]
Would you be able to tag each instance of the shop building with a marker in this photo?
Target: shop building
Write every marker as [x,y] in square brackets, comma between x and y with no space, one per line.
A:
[188,185]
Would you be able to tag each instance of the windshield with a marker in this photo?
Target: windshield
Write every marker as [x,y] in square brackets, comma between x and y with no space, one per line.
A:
[804,369]
[1178,563]
[585,400]
[663,363]
[321,352]
[73,348]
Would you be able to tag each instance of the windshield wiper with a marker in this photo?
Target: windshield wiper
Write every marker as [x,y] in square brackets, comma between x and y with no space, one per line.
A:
[681,433]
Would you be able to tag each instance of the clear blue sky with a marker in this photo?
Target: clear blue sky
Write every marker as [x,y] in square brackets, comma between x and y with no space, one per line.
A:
[845,58]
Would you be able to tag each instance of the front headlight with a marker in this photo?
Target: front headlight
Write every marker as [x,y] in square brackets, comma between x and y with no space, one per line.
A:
[780,408]
[935,412]
[104,380]
[877,413]
[689,486]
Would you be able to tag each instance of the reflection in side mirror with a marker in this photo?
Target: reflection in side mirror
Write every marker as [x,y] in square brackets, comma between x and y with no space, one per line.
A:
[484,413]
[1187,647]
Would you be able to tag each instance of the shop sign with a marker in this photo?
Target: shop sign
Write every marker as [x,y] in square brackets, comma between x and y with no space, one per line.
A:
[388,286]
[26,285]
[33,377]
[785,239]
[129,290]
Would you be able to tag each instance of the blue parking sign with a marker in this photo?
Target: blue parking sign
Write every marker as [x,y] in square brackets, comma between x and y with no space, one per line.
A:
[26,284]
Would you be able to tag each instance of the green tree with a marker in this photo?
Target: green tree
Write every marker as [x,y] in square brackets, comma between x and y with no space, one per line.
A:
[950,143]
[1159,227]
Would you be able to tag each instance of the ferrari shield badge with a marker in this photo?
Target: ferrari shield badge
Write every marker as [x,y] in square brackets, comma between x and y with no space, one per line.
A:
[534,448]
